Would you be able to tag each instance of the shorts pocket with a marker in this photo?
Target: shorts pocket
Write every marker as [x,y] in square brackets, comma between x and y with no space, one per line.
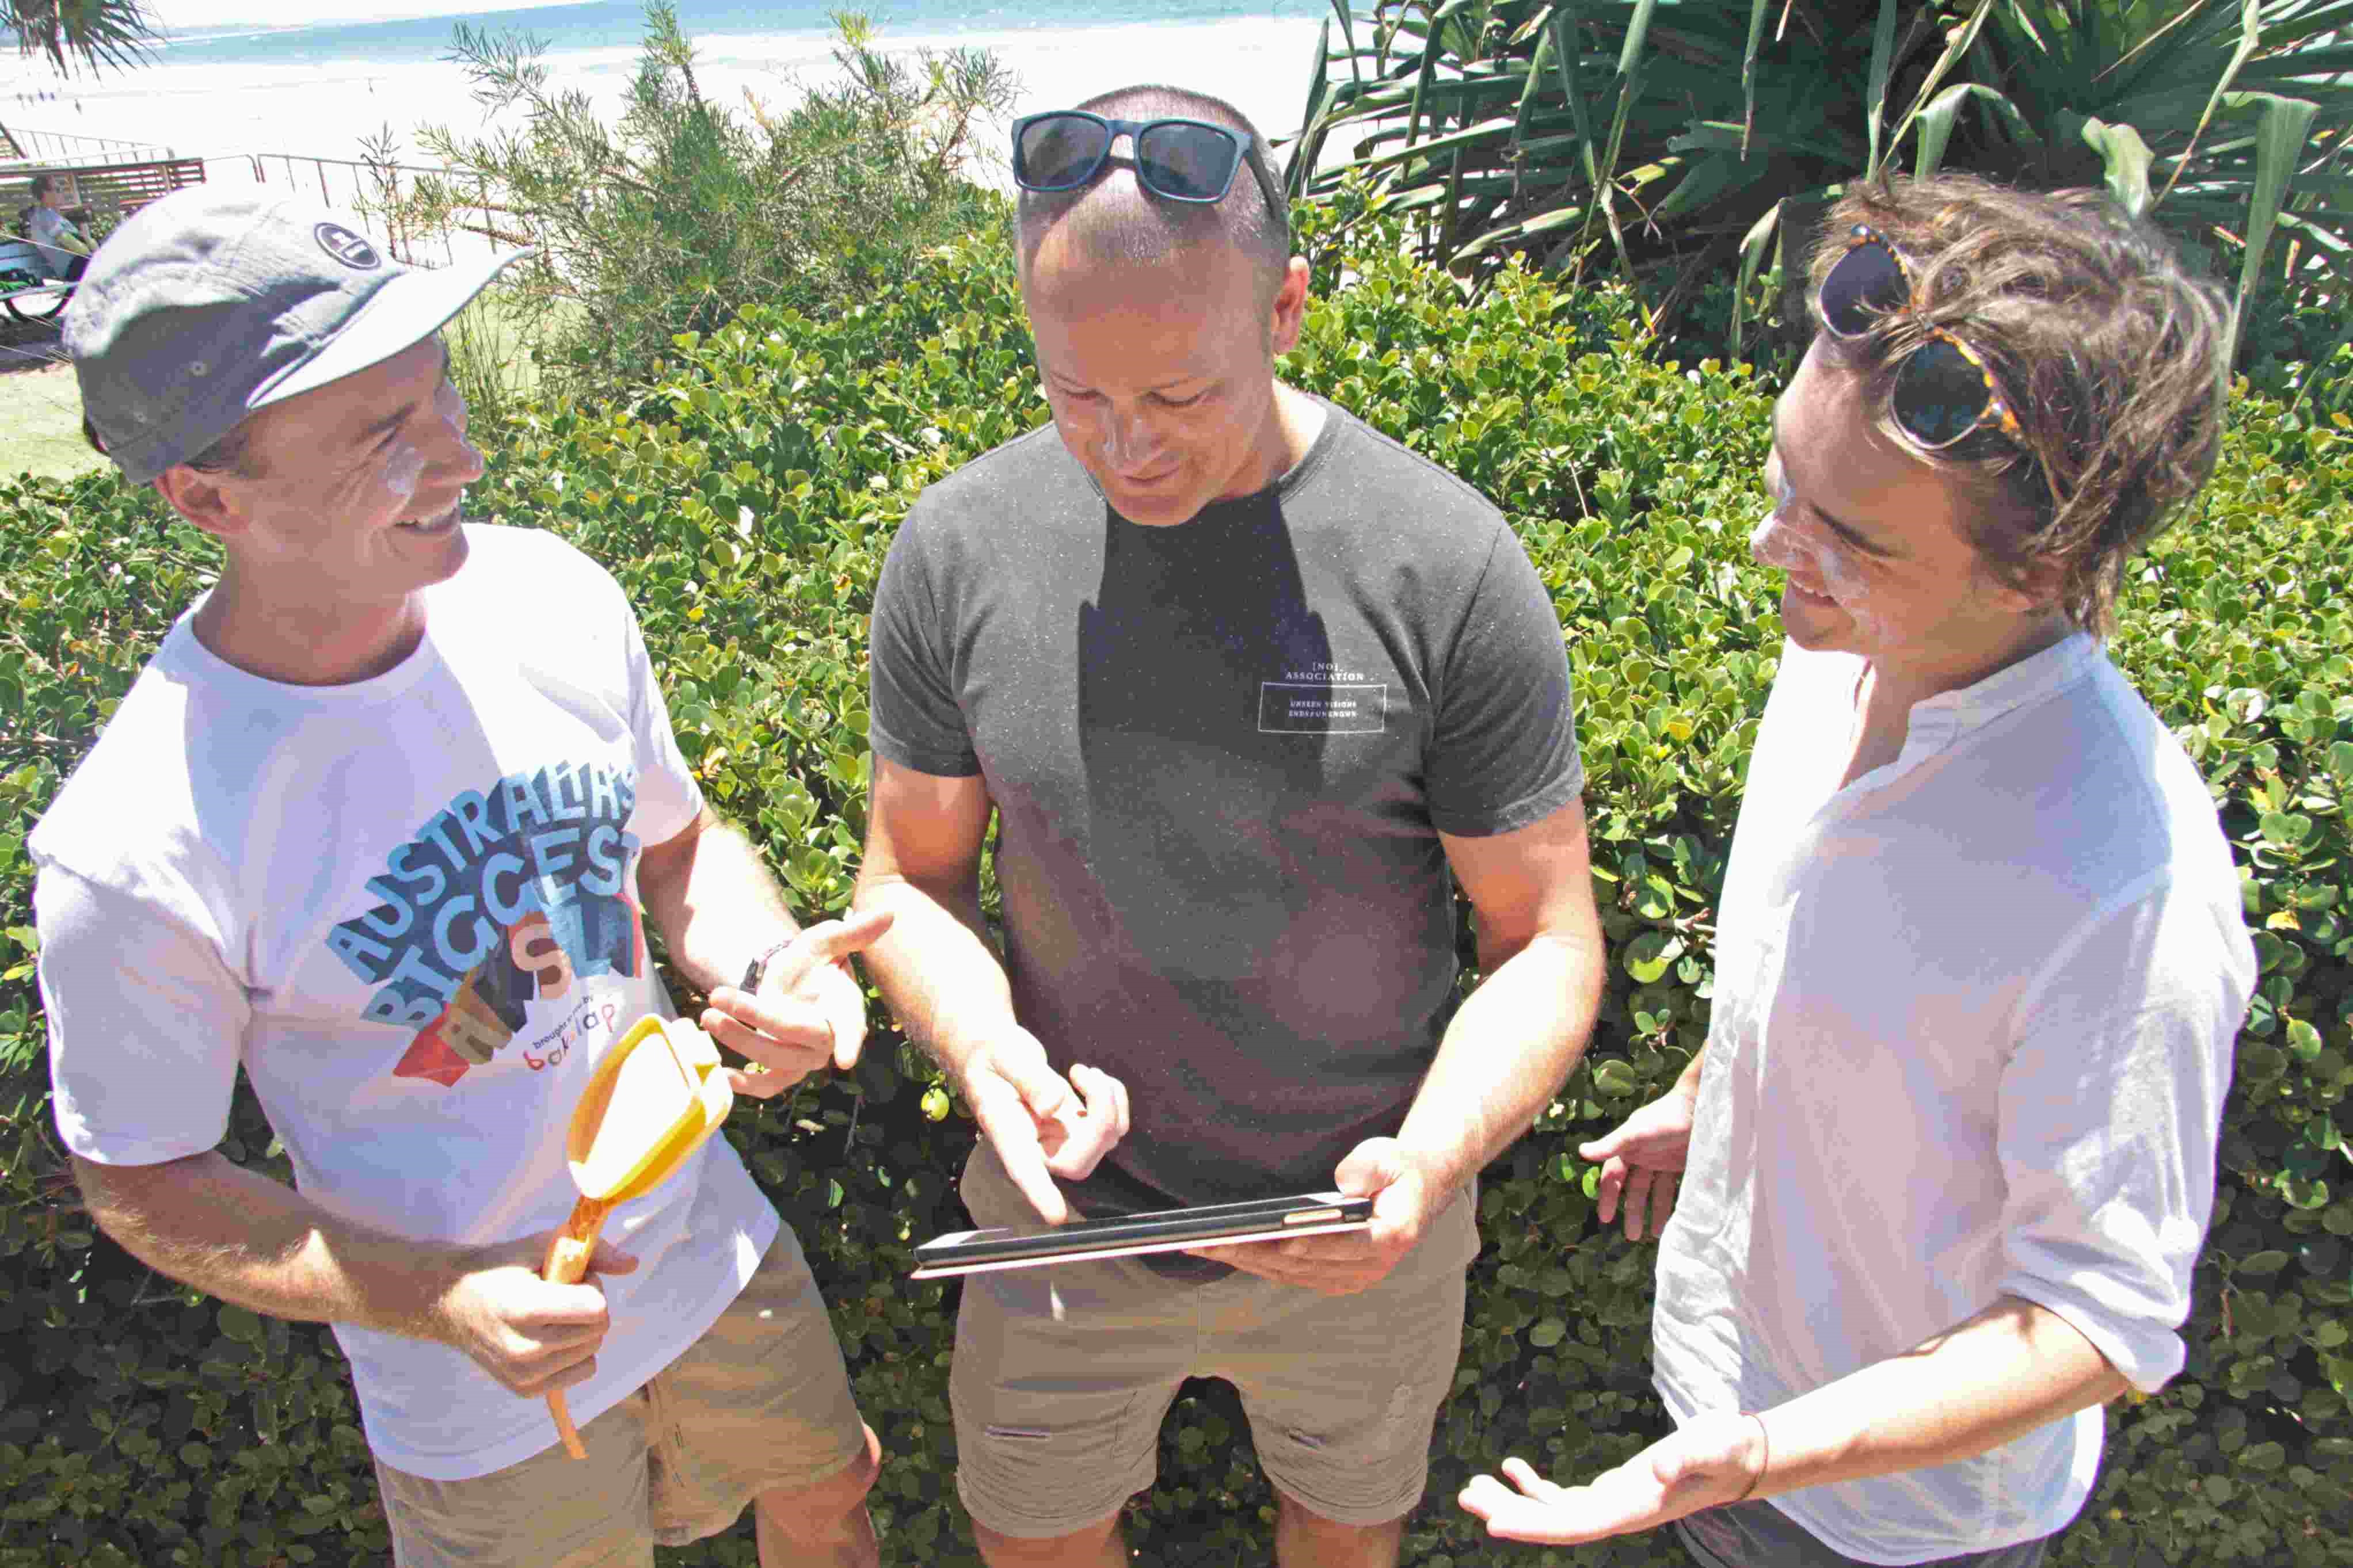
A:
[1051,1465]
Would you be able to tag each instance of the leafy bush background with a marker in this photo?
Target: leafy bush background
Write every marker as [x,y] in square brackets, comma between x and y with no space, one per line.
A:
[684,209]
[747,502]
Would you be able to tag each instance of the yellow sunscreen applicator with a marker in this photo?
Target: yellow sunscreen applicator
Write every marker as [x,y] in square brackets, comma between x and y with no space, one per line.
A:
[655,1098]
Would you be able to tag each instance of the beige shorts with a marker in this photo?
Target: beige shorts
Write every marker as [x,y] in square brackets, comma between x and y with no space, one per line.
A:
[1063,1376]
[760,1401]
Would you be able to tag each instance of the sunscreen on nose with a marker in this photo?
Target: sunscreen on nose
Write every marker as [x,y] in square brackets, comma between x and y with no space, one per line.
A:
[1769,544]
[451,403]
[1128,440]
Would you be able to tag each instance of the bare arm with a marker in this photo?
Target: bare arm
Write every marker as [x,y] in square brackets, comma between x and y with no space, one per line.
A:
[922,864]
[713,899]
[1516,1038]
[258,1243]
[719,908]
[1984,1381]
[937,970]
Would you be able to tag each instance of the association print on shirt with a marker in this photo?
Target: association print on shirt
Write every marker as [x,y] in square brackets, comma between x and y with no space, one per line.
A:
[506,897]
[1324,700]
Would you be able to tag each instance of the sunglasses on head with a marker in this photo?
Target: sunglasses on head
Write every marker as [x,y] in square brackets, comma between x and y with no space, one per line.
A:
[1944,391]
[1182,160]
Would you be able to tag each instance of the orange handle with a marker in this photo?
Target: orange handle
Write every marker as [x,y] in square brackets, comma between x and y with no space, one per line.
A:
[567,1263]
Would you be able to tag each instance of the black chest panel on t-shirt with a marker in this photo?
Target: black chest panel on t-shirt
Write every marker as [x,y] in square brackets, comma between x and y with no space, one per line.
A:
[1207,745]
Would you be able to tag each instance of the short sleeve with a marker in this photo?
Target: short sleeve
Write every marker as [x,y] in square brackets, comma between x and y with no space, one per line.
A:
[914,719]
[1504,751]
[2110,1108]
[669,799]
[146,1024]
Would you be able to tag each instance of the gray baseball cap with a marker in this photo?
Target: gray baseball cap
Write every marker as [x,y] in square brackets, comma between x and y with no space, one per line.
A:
[215,301]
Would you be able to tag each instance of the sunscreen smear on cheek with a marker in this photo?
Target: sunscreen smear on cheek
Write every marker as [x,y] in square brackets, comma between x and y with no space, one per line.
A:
[403,470]
[1775,544]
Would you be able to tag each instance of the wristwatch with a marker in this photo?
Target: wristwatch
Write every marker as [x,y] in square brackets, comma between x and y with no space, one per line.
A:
[759,966]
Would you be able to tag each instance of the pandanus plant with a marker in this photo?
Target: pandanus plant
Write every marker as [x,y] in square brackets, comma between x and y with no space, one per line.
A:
[1669,143]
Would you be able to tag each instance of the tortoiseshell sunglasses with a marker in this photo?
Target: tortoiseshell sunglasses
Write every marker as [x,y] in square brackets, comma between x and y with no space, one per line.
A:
[1944,390]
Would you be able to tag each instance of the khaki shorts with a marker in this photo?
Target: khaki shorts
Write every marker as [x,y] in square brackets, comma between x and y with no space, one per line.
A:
[760,1401]
[1063,1376]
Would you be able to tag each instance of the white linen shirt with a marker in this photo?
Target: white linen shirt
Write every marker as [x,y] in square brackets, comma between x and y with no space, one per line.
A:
[1972,1031]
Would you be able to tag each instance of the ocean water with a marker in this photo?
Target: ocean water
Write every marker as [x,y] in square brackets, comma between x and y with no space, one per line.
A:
[619,25]
[227,94]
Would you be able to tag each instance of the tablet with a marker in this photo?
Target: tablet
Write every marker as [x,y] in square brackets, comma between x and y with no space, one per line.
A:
[1163,1230]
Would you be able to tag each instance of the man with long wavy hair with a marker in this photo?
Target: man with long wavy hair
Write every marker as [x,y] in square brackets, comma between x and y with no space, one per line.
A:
[1947,1158]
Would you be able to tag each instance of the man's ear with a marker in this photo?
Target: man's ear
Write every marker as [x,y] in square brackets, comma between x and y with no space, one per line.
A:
[1290,307]
[201,499]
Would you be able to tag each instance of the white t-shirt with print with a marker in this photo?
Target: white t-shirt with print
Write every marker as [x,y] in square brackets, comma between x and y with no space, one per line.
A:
[406,908]
[1971,1034]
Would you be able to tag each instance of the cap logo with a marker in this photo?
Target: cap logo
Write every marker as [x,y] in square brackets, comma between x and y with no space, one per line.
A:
[347,247]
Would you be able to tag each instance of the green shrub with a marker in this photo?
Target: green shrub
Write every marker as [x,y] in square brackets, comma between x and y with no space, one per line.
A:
[746,502]
[687,209]
[1661,143]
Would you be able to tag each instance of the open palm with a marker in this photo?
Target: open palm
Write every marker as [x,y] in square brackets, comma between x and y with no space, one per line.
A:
[1713,1461]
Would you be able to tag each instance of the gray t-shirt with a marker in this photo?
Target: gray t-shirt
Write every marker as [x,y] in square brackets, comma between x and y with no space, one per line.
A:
[1221,754]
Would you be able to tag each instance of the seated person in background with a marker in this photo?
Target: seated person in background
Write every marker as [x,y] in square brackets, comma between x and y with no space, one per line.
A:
[64,250]
[1981,961]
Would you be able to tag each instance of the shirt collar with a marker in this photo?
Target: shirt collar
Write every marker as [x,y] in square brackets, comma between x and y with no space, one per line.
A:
[1943,718]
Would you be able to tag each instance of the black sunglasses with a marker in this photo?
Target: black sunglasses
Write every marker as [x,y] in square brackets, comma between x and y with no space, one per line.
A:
[1944,391]
[1182,160]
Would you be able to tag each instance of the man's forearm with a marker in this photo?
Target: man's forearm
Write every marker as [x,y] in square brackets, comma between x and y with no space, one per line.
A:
[1995,1377]
[1511,1046]
[715,903]
[936,969]
[260,1244]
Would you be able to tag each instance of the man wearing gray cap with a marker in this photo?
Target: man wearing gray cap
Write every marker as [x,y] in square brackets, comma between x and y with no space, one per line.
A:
[380,824]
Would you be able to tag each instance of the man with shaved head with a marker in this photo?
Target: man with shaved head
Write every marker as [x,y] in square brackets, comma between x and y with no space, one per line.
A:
[1245,689]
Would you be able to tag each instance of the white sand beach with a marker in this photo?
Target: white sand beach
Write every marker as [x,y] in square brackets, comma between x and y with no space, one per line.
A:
[323,111]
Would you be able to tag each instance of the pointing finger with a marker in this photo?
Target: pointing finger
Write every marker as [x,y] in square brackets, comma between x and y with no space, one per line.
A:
[996,1106]
[830,942]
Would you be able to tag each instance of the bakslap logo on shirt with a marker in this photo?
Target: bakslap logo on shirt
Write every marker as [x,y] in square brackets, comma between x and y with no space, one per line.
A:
[507,897]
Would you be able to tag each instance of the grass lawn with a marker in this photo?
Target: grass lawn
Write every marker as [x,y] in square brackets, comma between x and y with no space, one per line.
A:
[40,406]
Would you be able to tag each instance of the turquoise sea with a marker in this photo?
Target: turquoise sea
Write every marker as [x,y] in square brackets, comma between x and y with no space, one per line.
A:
[320,91]
[619,24]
